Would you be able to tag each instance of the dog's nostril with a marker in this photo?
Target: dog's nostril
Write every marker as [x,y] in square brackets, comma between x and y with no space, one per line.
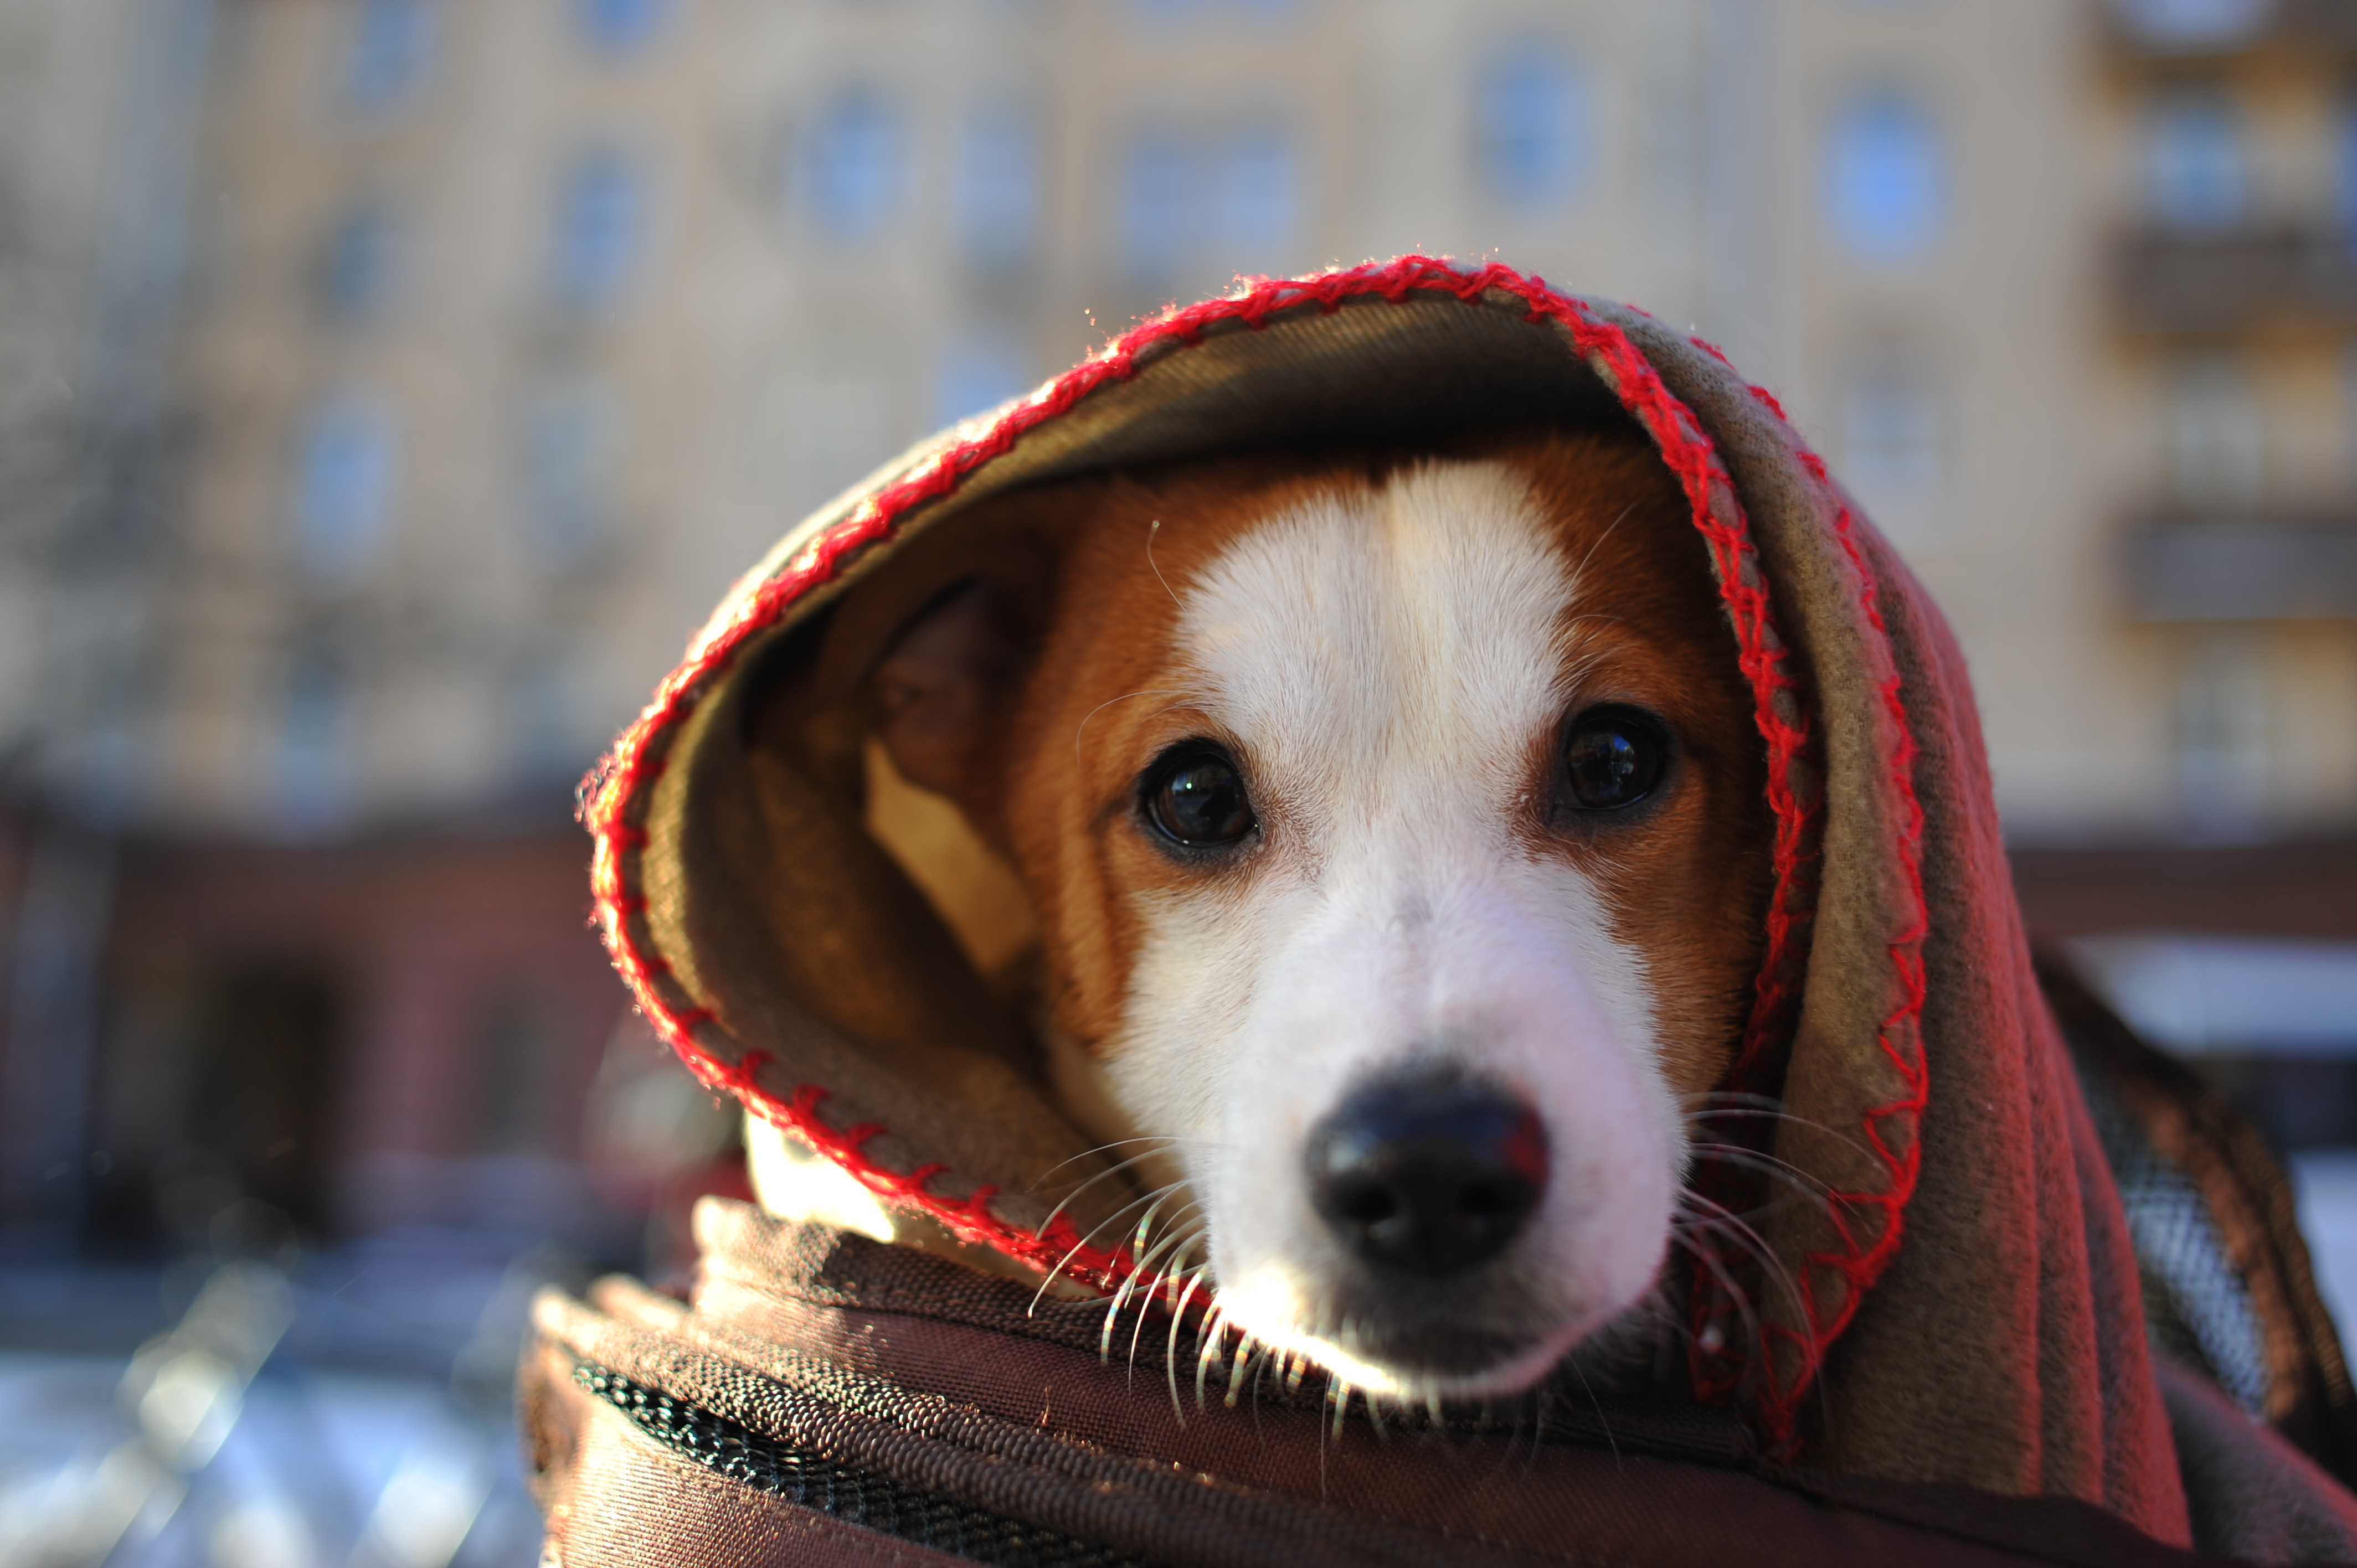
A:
[1365,1202]
[1431,1175]
[1486,1200]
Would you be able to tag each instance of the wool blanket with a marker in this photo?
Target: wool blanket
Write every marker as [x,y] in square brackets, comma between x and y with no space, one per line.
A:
[1963,1315]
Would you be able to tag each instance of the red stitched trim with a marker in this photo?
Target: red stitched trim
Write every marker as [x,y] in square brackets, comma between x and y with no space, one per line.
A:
[1899,1037]
[970,1218]
[1713,349]
[1776,408]
[618,784]
[1859,1263]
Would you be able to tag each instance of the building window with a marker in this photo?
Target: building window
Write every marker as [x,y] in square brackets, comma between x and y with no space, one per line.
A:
[854,164]
[2197,167]
[2217,442]
[1157,205]
[1886,177]
[995,200]
[1227,201]
[343,480]
[542,718]
[1892,444]
[2344,161]
[1255,196]
[2193,23]
[977,374]
[312,766]
[2221,734]
[620,26]
[571,443]
[1530,127]
[356,262]
[600,229]
[392,44]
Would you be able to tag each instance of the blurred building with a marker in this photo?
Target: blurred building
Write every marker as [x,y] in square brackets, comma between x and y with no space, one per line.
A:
[2227,137]
[98,100]
[519,329]
[99,103]
[511,332]
[2222,135]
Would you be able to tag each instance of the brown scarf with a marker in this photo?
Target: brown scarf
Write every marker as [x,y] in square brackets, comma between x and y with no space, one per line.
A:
[1967,1309]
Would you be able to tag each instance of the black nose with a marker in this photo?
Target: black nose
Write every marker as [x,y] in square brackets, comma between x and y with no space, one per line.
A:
[1429,1175]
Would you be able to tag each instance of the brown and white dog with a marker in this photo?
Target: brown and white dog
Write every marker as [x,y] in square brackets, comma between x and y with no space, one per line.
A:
[1395,830]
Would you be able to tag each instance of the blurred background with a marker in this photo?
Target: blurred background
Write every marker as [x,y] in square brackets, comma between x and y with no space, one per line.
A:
[387,387]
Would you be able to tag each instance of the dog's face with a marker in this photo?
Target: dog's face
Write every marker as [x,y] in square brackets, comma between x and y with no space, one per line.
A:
[1398,838]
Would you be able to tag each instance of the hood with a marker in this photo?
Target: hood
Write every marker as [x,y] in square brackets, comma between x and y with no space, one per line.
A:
[1965,1310]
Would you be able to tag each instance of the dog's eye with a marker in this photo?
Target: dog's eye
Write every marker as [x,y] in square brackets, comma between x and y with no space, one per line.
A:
[1196,797]
[1613,758]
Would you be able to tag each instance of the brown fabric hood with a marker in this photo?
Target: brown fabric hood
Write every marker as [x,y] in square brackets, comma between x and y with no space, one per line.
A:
[1966,1310]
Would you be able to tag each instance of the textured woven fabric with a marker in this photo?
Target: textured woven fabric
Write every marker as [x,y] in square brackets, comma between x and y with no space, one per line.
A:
[2229,1290]
[812,1480]
[2197,1305]
[823,1398]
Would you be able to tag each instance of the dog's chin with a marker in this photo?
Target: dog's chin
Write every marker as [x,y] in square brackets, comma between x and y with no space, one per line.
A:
[1468,1366]
[1414,1340]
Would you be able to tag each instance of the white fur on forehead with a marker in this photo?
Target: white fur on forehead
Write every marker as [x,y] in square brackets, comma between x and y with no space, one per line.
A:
[1384,663]
[1420,617]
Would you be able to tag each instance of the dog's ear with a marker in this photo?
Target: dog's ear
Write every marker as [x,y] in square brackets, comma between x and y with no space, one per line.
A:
[937,699]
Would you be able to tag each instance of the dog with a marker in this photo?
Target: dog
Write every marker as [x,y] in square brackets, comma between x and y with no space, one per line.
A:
[1393,829]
